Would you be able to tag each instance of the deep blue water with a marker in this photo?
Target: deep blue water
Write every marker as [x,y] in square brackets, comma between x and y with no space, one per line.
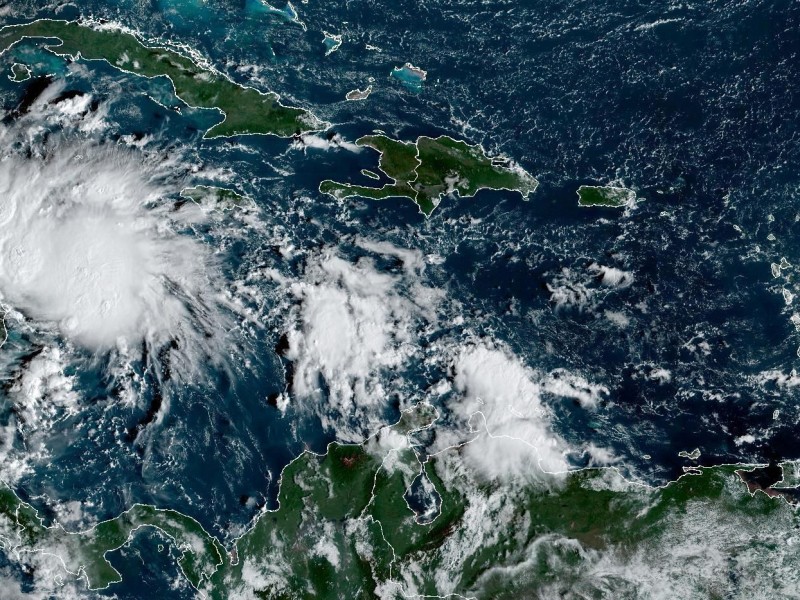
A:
[693,105]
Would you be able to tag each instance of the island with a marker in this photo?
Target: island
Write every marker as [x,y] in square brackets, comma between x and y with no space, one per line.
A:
[410,76]
[606,196]
[427,170]
[214,197]
[358,94]
[331,41]
[20,73]
[244,110]
[693,455]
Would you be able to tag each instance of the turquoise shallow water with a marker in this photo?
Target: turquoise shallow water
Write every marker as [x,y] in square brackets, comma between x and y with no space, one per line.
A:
[691,106]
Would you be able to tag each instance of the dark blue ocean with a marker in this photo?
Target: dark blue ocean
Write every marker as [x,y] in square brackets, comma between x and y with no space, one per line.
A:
[693,105]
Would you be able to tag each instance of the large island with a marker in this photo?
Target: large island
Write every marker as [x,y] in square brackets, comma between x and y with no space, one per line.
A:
[427,170]
[605,196]
[245,110]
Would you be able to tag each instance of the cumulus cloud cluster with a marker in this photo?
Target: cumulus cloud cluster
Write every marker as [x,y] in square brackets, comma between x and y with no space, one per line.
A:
[44,391]
[93,246]
[501,414]
[355,329]
[84,242]
[333,141]
[352,330]
[499,395]
[578,289]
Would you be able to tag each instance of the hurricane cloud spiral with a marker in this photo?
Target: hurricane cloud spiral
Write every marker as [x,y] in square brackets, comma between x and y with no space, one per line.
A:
[92,245]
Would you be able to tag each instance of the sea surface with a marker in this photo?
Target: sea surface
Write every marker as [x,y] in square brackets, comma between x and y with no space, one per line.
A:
[671,305]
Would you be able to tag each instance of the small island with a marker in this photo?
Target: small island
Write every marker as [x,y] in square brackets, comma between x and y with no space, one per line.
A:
[693,455]
[212,196]
[410,76]
[605,196]
[20,73]
[427,170]
[358,94]
[245,110]
[331,41]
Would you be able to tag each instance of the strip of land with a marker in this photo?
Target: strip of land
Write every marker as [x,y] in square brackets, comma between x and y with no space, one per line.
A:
[23,531]
[217,197]
[245,110]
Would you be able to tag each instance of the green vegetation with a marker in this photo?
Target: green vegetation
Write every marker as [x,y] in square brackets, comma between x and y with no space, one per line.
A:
[23,531]
[427,170]
[344,529]
[306,544]
[326,540]
[607,196]
[19,73]
[791,475]
[246,110]
[217,197]
[594,535]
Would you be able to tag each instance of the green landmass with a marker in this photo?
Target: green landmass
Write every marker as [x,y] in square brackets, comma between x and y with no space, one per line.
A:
[607,196]
[19,73]
[217,197]
[345,529]
[246,110]
[427,170]
[791,476]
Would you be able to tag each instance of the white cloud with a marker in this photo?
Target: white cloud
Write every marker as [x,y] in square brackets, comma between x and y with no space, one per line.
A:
[91,244]
[413,260]
[79,247]
[610,276]
[780,379]
[51,108]
[326,546]
[566,291]
[261,576]
[660,375]
[43,392]
[350,334]
[584,289]
[570,385]
[748,438]
[600,457]
[386,440]
[319,142]
[499,394]
[618,318]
